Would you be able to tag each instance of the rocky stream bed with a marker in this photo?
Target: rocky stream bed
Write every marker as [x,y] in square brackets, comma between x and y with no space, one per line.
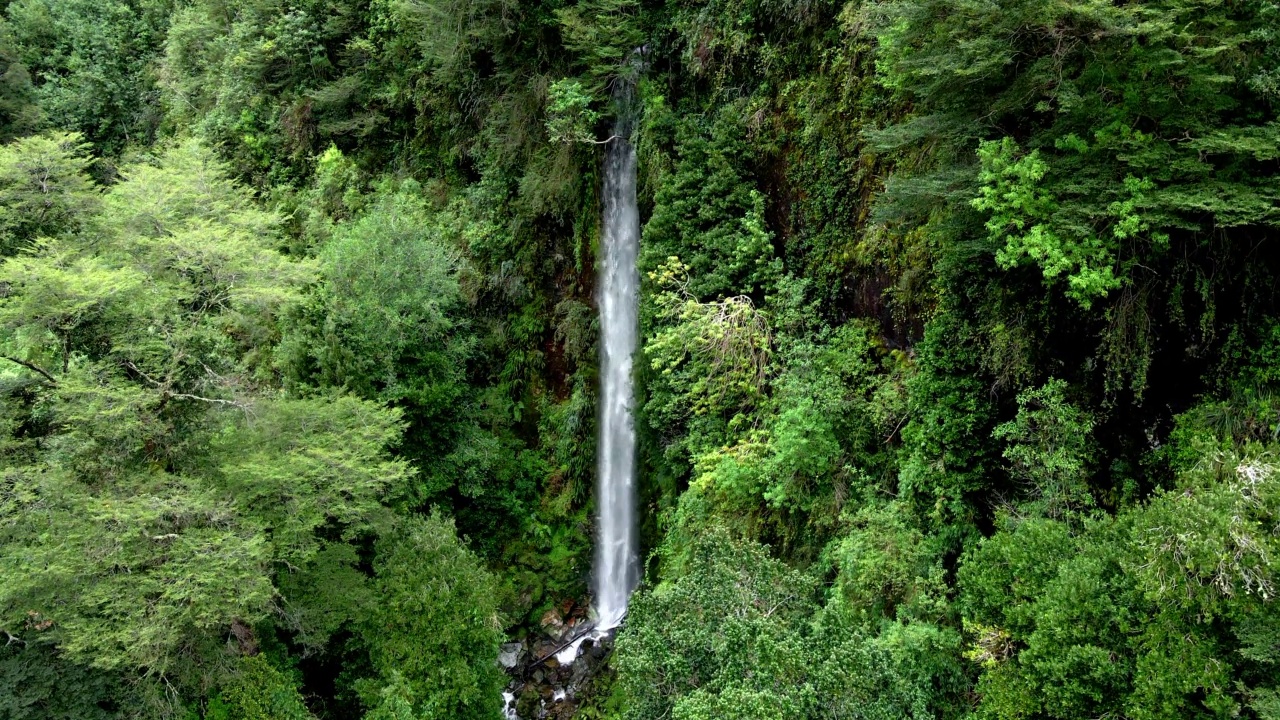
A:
[543,687]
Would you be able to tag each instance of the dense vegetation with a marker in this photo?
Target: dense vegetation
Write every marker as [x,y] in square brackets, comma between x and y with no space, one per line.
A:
[959,392]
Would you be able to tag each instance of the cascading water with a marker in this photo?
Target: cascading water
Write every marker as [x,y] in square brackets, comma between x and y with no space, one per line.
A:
[616,569]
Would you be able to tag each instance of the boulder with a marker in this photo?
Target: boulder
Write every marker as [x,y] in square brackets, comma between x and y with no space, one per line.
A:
[552,623]
[509,654]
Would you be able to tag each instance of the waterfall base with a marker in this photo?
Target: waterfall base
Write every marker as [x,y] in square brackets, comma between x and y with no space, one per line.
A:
[553,673]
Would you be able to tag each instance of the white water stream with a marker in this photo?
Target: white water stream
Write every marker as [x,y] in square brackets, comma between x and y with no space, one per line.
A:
[616,568]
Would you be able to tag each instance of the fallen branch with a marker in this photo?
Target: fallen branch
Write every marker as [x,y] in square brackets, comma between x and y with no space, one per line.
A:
[572,639]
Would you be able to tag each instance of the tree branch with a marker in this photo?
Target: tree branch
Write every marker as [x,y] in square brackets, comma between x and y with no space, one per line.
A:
[32,366]
[166,393]
[129,364]
[219,401]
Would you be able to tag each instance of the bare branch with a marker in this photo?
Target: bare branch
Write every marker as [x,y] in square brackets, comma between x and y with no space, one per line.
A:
[32,366]
[129,364]
[166,392]
[217,401]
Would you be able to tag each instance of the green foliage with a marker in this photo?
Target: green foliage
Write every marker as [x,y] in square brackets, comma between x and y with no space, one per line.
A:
[1147,614]
[44,190]
[1211,541]
[887,566]
[153,485]
[436,629]
[1017,207]
[91,63]
[330,108]
[719,627]
[389,322]
[569,114]
[711,358]
[707,214]
[728,635]
[602,35]
[324,597]
[815,442]
[957,388]
[390,289]
[1071,616]
[1120,149]
[273,83]
[947,460]
[19,113]
[37,684]
[258,691]
[395,702]
[1049,447]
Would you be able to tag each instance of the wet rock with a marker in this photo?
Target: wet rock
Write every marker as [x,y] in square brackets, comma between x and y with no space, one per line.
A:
[509,654]
[581,671]
[552,623]
[529,703]
[543,648]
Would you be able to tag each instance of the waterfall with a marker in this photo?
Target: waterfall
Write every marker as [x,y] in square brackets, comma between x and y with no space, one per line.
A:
[616,569]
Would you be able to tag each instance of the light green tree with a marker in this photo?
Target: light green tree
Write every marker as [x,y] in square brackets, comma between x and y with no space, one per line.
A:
[156,485]
[1049,443]
[45,191]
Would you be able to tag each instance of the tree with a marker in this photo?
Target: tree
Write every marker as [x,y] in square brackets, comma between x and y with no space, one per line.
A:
[91,64]
[258,691]
[45,191]
[734,632]
[1049,450]
[436,628]
[18,111]
[156,484]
